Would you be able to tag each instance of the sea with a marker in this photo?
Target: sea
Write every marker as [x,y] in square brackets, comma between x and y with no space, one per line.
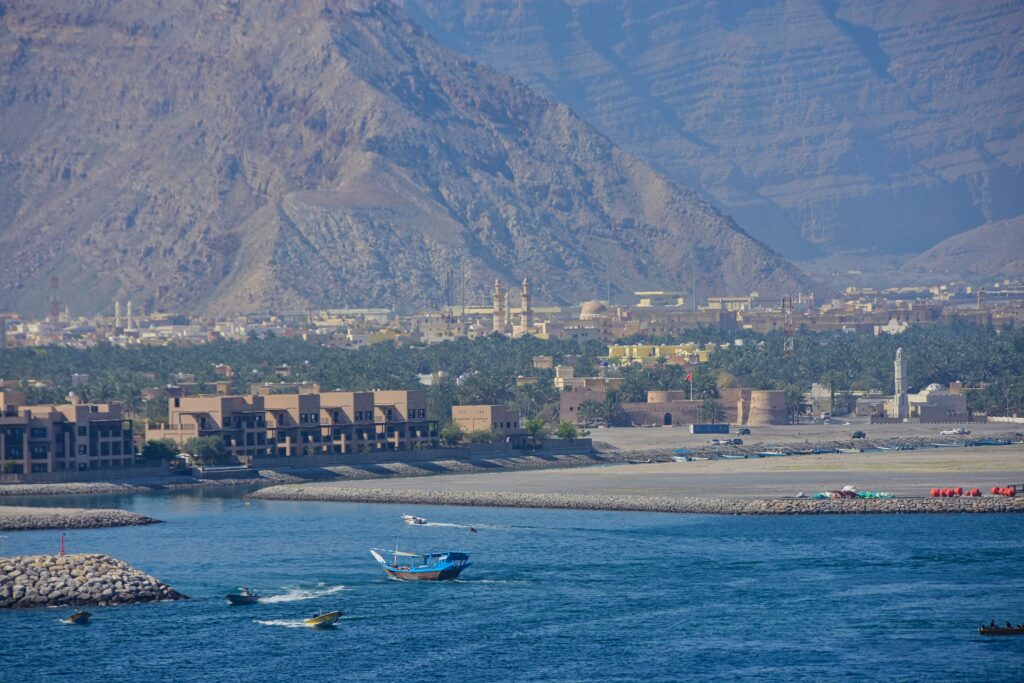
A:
[552,595]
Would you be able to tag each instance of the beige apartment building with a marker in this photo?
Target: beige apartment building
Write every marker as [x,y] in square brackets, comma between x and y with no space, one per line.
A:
[305,423]
[59,438]
[498,418]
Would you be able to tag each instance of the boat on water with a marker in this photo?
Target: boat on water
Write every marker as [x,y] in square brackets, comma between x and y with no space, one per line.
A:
[244,596]
[323,619]
[1008,630]
[413,520]
[78,618]
[416,567]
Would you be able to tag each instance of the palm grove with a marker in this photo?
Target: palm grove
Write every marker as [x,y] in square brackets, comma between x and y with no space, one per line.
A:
[485,370]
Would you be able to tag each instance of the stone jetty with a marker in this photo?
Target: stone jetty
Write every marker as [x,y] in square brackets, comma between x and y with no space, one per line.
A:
[76,580]
[641,503]
[26,518]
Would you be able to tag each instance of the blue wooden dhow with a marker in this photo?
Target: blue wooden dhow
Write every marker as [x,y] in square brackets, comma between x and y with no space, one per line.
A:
[415,567]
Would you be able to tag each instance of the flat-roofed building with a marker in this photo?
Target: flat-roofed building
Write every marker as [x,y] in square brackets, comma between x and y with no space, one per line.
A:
[294,424]
[239,421]
[497,418]
[303,423]
[64,437]
[402,419]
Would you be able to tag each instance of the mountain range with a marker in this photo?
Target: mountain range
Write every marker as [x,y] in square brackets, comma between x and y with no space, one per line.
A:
[228,156]
[820,125]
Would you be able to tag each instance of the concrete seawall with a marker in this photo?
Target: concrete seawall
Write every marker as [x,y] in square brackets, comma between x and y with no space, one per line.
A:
[711,506]
[27,518]
[76,580]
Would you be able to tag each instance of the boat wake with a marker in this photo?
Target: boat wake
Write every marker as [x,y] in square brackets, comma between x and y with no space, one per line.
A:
[474,526]
[297,594]
[287,623]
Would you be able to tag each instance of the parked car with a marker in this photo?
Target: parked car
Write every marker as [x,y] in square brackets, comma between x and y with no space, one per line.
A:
[955,431]
[719,442]
[858,435]
[736,442]
[743,431]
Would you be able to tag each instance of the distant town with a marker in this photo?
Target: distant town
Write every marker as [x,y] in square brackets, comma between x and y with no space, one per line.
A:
[131,390]
[513,311]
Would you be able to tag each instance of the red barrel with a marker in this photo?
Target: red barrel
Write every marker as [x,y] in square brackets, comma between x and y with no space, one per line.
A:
[959,491]
[996,491]
[1011,492]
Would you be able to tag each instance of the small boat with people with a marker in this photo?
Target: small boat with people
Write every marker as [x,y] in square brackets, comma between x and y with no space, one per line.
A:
[413,520]
[78,618]
[244,596]
[421,567]
[323,619]
[1009,630]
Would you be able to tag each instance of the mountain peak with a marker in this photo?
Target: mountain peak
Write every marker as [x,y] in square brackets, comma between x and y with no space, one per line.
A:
[234,157]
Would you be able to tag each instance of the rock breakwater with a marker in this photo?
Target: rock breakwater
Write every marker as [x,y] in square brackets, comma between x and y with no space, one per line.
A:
[708,506]
[27,518]
[76,580]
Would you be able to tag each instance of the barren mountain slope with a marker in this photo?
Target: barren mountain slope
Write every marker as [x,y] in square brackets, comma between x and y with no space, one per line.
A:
[993,250]
[246,156]
[854,123]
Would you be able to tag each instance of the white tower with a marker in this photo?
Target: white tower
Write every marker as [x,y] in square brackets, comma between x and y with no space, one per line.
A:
[902,401]
[117,314]
[498,308]
[129,325]
[526,317]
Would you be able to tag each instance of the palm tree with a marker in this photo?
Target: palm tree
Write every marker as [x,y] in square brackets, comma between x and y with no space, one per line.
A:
[712,411]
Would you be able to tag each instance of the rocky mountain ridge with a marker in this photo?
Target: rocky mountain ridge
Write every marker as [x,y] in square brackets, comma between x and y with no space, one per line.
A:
[815,123]
[272,156]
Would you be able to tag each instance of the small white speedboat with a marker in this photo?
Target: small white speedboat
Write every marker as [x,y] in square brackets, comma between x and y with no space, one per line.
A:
[413,520]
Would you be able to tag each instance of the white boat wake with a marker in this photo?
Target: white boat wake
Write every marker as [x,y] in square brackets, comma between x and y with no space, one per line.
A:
[474,526]
[297,594]
[287,623]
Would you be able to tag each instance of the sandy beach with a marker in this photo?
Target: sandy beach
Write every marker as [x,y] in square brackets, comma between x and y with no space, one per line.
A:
[903,473]
[716,486]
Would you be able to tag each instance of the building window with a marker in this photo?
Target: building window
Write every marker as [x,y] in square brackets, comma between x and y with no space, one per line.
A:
[38,433]
[303,418]
[82,450]
[38,451]
[117,448]
[82,431]
[313,417]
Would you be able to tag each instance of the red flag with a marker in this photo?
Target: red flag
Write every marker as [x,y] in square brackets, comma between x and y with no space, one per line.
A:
[689,377]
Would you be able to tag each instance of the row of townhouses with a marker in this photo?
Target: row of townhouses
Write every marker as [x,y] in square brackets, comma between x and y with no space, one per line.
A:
[305,423]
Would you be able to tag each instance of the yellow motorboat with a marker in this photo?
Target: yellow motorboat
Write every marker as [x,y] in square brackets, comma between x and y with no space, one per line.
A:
[323,619]
[78,618]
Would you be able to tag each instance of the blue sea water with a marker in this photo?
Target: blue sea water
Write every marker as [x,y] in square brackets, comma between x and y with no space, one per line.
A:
[552,595]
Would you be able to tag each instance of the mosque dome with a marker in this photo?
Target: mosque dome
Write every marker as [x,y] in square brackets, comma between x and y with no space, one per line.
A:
[592,309]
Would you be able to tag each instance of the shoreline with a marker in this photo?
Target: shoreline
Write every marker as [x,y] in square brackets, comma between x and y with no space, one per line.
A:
[16,518]
[807,457]
[642,503]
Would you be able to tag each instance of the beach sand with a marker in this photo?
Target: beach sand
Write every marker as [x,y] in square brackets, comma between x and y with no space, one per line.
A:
[903,473]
